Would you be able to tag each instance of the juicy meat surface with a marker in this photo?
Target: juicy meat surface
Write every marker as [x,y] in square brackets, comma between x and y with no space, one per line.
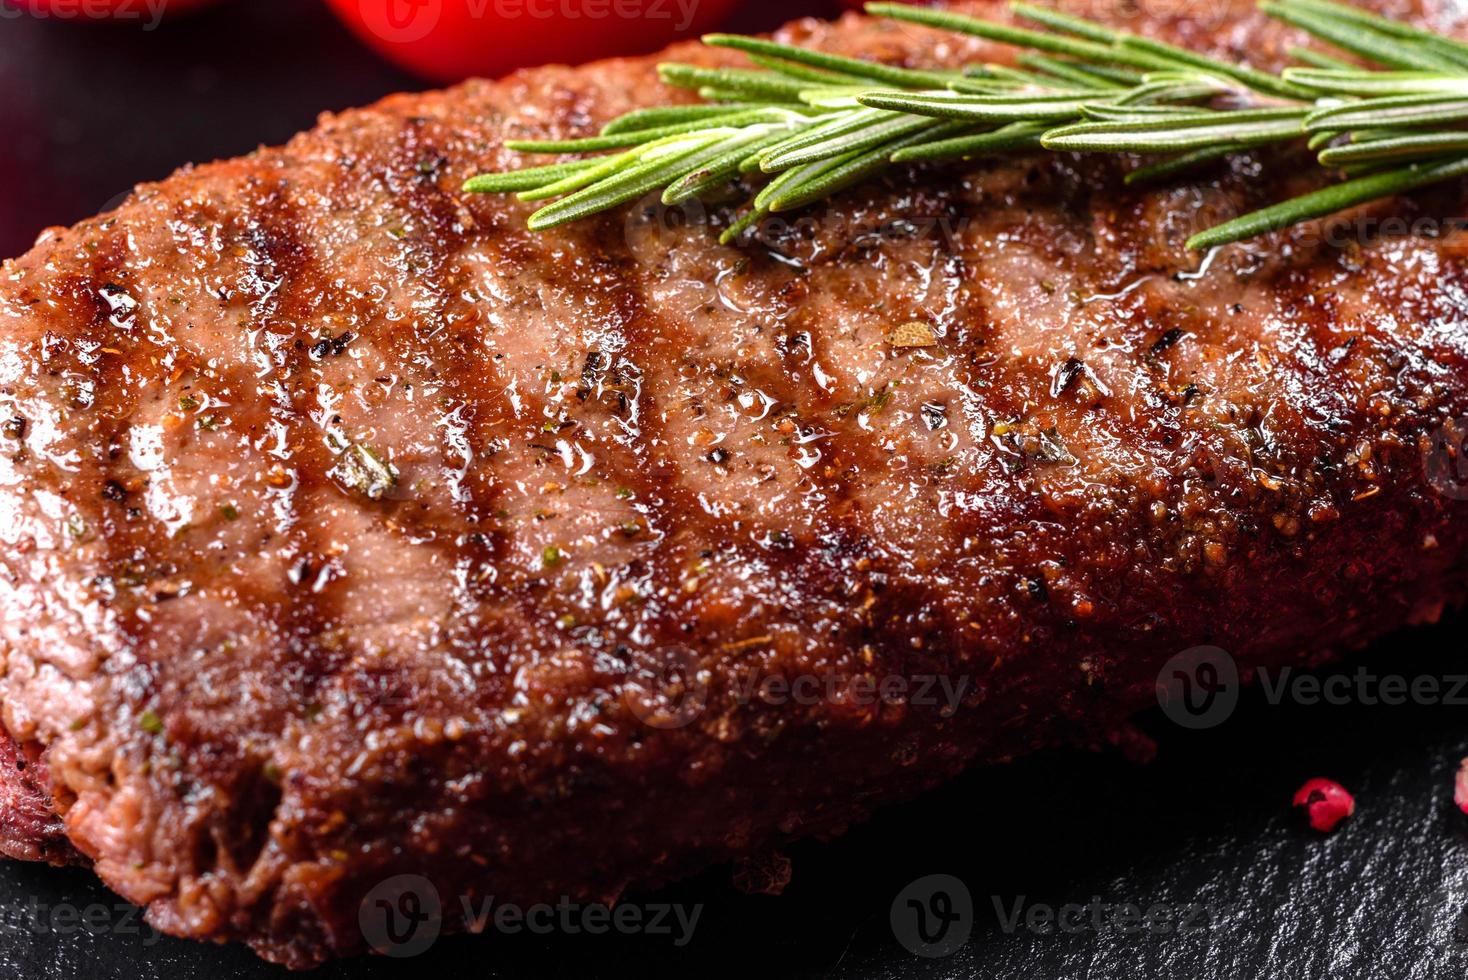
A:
[30,830]
[351,530]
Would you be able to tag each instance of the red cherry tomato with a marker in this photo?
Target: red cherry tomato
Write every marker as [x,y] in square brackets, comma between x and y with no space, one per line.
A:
[447,40]
[149,12]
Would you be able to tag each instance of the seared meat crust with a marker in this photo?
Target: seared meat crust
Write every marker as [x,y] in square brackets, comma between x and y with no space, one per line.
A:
[351,530]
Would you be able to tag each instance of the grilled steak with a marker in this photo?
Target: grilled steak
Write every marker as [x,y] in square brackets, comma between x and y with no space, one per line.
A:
[350,530]
[30,830]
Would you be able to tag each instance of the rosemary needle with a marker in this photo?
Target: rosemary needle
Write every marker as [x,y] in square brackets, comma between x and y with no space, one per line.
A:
[1329,200]
[1391,111]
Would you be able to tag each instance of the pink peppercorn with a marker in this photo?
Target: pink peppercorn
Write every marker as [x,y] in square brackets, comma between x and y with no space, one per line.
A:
[1460,787]
[1326,803]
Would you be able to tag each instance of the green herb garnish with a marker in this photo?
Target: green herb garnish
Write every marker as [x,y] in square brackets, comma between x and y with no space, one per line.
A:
[811,123]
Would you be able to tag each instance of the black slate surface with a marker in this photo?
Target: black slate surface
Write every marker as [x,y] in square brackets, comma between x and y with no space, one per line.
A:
[1204,836]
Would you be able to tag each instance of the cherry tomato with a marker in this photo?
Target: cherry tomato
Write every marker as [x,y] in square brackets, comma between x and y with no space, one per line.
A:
[150,12]
[447,40]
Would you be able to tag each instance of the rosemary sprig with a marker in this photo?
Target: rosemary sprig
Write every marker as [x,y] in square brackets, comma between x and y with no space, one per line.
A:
[811,123]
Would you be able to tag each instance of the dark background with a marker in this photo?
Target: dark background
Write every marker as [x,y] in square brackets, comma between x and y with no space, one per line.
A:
[87,110]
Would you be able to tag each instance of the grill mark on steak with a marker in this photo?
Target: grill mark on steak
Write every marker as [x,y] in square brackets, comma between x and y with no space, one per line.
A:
[440,694]
[661,656]
[278,284]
